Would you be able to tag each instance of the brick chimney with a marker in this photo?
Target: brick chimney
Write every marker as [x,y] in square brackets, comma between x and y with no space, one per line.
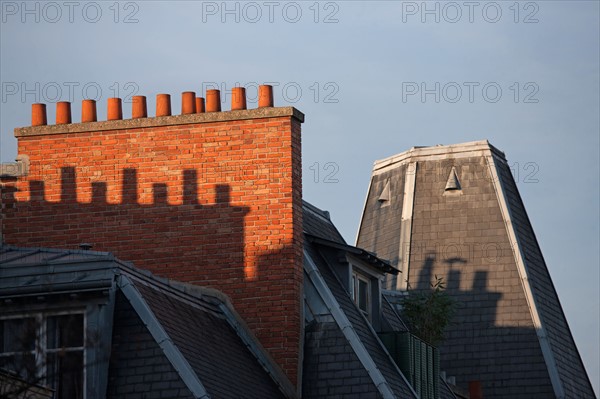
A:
[209,198]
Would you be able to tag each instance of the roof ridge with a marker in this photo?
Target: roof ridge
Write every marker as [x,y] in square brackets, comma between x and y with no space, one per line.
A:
[317,211]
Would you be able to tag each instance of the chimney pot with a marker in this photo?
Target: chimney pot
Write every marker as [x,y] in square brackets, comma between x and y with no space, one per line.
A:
[163,105]
[38,115]
[213,100]
[188,102]
[200,105]
[115,109]
[265,96]
[238,98]
[138,107]
[63,112]
[88,111]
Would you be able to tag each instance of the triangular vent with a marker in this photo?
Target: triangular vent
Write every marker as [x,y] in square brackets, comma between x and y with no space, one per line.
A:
[385,195]
[453,183]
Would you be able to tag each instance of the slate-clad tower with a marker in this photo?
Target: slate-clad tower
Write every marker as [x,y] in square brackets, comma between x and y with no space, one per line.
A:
[455,212]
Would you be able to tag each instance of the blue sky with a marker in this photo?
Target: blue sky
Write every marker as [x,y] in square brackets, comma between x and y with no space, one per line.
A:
[373,78]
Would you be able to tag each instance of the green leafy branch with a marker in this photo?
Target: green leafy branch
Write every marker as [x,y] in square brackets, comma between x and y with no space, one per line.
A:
[428,313]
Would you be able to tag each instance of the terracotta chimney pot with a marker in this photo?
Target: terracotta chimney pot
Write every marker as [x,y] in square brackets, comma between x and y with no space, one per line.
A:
[88,111]
[238,98]
[138,107]
[115,109]
[188,102]
[163,105]
[63,112]
[213,101]
[200,105]
[265,96]
[38,115]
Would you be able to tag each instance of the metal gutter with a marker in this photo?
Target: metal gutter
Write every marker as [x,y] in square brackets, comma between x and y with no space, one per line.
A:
[177,360]
[365,255]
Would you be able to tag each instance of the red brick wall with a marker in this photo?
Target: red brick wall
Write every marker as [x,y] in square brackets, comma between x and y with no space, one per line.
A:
[214,203]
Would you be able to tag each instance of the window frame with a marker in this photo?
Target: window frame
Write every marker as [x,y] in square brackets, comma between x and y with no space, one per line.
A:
[357,278]
[41,351]
[375,277]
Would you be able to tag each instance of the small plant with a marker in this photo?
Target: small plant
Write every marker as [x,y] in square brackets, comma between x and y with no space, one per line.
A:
[428,313]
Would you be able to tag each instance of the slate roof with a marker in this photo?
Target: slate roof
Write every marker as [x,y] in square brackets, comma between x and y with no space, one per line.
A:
[29,271]
[317,222]
[214,350]
[570,367]
[16,256]
[226,361]
[391,317]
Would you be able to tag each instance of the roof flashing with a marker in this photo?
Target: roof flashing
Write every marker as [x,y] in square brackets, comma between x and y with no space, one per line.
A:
[462,150]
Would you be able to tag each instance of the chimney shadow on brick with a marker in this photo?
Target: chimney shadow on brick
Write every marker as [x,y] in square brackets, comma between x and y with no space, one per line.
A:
[193,241]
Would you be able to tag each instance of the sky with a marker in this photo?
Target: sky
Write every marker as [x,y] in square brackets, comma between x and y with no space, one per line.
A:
[373,79]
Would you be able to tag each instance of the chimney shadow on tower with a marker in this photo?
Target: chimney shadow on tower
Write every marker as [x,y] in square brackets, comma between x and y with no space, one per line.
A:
[473,338]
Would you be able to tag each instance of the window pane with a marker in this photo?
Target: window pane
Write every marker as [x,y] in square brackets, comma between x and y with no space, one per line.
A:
[65,331]
[22,364]
[65,374]
[18,335]
[362,295]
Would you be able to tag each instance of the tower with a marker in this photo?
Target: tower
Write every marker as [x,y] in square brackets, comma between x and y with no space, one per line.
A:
[455,212]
